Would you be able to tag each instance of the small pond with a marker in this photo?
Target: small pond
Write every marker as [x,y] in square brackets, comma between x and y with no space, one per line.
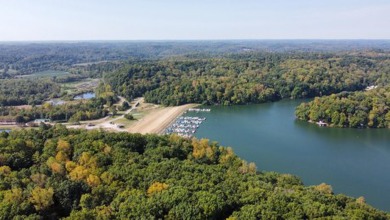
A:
[87,95]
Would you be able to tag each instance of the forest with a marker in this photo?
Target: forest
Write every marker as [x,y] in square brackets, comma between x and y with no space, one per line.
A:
[250,77]
[26,58]
[72,111]
[25,91]
[356,110]
[52,172]
[210,73]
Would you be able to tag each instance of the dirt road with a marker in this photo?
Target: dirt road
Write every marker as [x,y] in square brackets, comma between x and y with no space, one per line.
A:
[157,120]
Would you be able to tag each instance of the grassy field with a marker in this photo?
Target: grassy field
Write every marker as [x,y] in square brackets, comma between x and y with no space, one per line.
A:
[80,86]
[125,122]
[71,88]
[10,127]
[48,73]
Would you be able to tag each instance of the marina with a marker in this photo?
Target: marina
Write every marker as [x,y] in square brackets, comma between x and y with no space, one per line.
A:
[186,126]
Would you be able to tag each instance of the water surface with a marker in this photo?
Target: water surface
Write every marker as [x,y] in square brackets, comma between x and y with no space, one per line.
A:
[87,95]
[356,162]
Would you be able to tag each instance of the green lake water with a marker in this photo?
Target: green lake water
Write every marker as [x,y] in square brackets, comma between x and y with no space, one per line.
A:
[356,162]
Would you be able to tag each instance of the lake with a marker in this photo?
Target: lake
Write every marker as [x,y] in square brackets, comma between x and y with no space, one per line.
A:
[87,95]
[356,162]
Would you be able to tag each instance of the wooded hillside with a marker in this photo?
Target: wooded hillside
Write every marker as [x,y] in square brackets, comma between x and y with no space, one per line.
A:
[55,172]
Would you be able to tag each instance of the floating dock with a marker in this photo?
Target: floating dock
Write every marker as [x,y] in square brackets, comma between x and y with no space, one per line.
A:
[199,110]
[185,126]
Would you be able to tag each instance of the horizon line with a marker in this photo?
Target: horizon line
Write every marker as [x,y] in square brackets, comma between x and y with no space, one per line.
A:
[182,40]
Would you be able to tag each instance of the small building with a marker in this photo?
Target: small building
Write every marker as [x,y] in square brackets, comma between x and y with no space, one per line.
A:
[371,87]
[322,124]
[42,120]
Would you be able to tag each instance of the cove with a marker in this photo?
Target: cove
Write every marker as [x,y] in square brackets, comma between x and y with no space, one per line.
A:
[356,162]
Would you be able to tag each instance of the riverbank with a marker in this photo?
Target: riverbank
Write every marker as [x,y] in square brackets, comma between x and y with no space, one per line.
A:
[158,119]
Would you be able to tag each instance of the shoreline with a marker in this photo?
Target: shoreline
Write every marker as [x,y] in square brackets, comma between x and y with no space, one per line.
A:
[155,121]
[159,119]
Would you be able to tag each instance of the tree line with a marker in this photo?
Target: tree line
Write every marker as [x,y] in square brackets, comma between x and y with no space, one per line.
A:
[72,111]
[29,57]
[248,78]
[357,110]
[26,91]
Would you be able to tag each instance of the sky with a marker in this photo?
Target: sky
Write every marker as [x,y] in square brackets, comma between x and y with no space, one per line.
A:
[42,20]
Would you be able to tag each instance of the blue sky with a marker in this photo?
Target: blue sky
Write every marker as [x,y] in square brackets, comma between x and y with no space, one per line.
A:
[193,19]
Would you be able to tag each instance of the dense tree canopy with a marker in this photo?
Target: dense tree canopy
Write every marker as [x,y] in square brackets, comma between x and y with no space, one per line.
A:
[357,109]
[95,58]
[78,111]
[23,91]
[55,172]
[73,111]
[248,78]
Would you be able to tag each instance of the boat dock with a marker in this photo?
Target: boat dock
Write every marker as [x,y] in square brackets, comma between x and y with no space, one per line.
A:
[199,110]
[185,126]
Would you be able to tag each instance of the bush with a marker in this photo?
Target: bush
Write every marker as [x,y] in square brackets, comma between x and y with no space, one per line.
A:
[125,105]
[129,117]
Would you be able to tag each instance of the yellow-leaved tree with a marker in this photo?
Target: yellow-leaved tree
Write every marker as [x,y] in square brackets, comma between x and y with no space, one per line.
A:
[227,155]
[42,198]
[324,188]
[61,156]
[93,180]
[14,195]
[157,187]
[201,148]
[5,170]
[64,146]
